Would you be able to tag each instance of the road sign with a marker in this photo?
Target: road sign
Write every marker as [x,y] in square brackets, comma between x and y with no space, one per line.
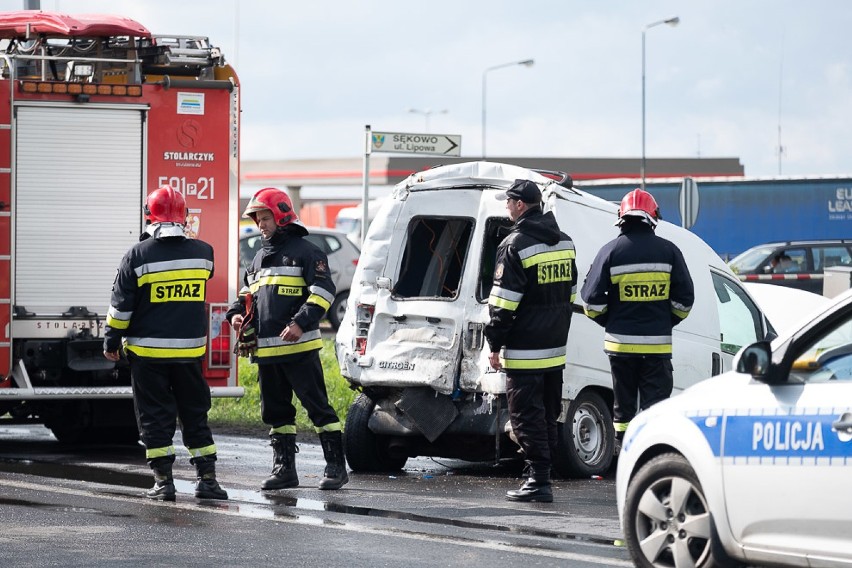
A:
[688,202]
[403,143]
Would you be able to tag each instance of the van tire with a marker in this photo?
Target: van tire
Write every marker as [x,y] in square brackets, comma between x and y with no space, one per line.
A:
[586,439]
[337,310]
[366,451]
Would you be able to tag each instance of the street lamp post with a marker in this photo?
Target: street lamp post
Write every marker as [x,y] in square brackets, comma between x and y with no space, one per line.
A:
[427,113]
[672,22]
[525,63]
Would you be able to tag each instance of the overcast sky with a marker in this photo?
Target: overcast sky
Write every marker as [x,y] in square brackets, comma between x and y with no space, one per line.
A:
[720,84]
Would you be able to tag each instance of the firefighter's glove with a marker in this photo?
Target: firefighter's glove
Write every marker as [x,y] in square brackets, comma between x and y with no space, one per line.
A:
[246,342]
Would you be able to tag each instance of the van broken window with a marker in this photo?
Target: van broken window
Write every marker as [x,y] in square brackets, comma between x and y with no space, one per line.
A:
[435,252]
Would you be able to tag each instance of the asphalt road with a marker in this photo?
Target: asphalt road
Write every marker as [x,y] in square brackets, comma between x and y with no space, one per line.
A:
[434,513]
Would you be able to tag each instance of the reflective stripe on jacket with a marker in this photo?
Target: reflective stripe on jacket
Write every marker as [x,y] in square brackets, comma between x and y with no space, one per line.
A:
[157,307]
[535,281]
[290,281]
[638,288]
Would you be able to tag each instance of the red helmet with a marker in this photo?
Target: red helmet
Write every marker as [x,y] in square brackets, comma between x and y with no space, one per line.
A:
[639,203]
[165,205]
[274,200]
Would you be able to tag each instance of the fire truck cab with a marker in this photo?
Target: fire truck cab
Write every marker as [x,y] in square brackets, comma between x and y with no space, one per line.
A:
[95,113]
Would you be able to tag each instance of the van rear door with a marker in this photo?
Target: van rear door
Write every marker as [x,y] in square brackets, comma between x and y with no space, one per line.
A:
[427,296]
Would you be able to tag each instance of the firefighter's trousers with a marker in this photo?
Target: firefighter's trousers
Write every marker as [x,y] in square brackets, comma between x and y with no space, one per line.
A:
[302,375]
[648,379]
[534,404]
[166,392]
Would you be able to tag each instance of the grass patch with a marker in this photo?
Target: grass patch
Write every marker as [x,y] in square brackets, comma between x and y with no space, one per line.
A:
[244,413]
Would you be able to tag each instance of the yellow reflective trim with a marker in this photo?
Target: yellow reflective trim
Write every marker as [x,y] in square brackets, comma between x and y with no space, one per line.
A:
[117,323]
[205,451]
[620,426]
[643,286]
[592,313]
[638,348]
[165,451]
[167,353]
[319,300]
[286,429]
[498,302]
[178,291]
[641,277]
[289,349]
[554,271]
[548,257]
[680,313]
[277,281]
[166,275]
[534,363]
[334,427]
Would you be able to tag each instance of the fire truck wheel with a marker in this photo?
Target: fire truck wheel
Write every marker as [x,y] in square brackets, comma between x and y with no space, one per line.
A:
[586,439]
[338,309]
[366,451]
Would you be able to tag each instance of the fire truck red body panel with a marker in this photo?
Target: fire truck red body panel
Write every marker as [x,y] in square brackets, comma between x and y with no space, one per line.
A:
[102,127]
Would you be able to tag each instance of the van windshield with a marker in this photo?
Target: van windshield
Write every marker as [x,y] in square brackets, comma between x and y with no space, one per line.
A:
[434,257]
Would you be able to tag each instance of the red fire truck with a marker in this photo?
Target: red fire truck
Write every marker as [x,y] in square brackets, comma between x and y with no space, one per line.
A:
[95,113]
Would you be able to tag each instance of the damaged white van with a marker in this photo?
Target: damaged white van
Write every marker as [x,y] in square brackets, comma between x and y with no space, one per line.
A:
[412,337]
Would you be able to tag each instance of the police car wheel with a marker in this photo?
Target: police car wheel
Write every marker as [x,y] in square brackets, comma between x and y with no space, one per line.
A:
[365,450]
[586,439]
[666,519]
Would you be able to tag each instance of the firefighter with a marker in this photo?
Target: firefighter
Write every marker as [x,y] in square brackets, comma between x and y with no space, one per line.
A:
[535,281]
[288,289]
[157,312]
[638,288]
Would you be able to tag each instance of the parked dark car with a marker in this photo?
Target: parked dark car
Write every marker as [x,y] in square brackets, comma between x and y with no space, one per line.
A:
[798,264]
[342,260]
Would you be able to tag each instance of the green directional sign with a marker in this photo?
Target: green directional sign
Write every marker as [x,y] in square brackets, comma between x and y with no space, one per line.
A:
[412,143]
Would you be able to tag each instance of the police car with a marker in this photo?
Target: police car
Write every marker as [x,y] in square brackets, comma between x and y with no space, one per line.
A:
[753,465]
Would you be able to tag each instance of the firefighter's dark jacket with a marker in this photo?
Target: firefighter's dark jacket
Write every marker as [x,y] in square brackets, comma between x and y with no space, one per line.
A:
[638,288]
[289,281]
[157,307]
[535,281]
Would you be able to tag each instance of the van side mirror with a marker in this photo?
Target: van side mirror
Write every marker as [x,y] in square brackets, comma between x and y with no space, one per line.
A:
[755,360]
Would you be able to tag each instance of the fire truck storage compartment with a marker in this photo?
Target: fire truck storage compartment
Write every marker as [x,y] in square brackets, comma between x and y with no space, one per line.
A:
[77,205]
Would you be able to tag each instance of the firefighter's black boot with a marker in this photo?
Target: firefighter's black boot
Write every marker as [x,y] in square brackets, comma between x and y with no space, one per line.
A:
[284,452]
[335,475]
[207,486]
[164,483]
[536,487]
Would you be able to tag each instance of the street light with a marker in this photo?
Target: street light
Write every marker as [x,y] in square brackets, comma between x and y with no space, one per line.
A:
[525,63]
[427,113]
[672,22]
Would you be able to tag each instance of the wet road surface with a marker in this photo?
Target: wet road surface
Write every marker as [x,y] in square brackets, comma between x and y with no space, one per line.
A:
[448,508]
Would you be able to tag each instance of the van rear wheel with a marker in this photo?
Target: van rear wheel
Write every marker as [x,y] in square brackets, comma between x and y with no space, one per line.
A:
[337,310]
[586,439]
[366,451]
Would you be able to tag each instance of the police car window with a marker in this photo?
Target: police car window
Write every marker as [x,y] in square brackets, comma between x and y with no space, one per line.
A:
[829,358]
[739,318]
[433,261]
[496,230]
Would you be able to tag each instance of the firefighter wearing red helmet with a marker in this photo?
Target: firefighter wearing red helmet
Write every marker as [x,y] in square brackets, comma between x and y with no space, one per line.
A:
[638,288]
[287,290]
[157,315]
